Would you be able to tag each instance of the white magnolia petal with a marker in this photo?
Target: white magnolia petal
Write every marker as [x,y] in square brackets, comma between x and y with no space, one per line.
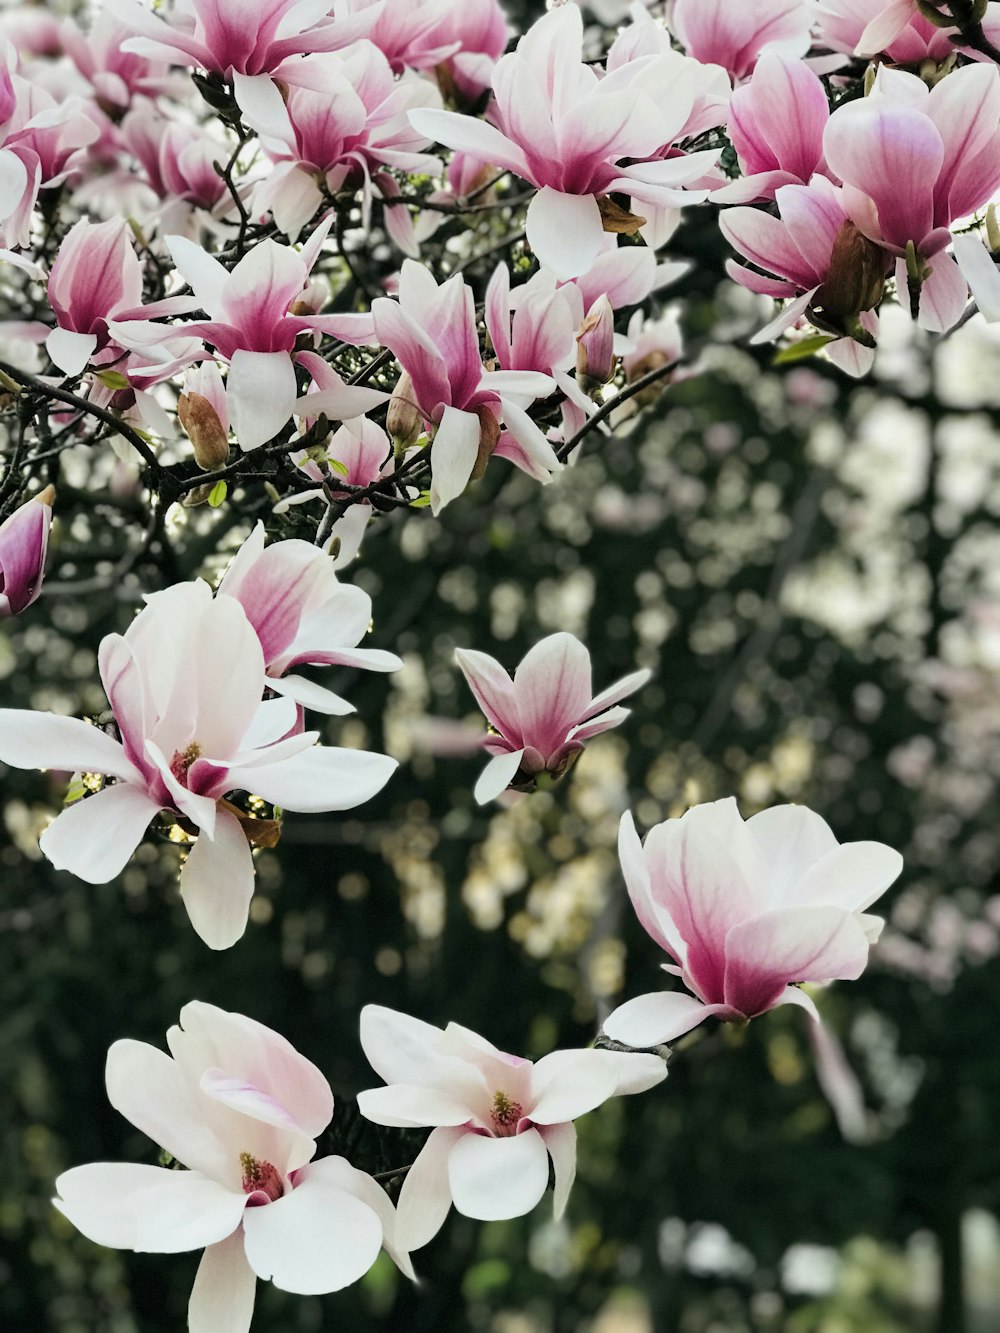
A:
[406,1050]
[651,1020]
[492,1179]
[453,456]
[225,1287]
[217,883]
[316,1239]
[324,777]
[851,876]
[567,1084]
[565,231]
[260,393]
[70,351]
[66,744]
[310,695]
[425,1197]
[980,272]
[153,1093]
[150,1209]
[338,1171]
[404,1104]
[560,1143]
[497,776]
[94,838]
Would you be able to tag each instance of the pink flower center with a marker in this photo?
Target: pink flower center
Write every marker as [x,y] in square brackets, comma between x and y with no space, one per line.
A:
[260,1178]
[182,761]
[505,1115]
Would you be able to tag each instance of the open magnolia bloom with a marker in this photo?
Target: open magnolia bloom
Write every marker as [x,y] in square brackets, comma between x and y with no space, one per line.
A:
[237,1106]
[497,1118]
[747,911]
[302,614]
[185,683]
[540,719]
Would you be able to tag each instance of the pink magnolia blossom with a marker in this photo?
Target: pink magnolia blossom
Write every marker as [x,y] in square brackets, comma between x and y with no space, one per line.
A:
[913,161]
[540,719]
[241,1109]
[336,117]
[497,1118]
[747,911]
[895,28]
[477,31]
[577,136]
[40,143]
[302,615]
[358,453]
[776,125]
[819,259]
[407,33]
[116,75]
[185,684]
[432,333]
[253,323]
[230,36]
[734,36]
[24,538]
[96,283]
[179,162]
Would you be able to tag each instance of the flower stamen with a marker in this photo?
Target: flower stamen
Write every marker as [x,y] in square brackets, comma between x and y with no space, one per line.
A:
[505,1115]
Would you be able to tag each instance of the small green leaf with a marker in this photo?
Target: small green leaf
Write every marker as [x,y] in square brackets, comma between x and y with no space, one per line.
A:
[113,379]
[422,501]
[803,349]
[338,466]
[217,494]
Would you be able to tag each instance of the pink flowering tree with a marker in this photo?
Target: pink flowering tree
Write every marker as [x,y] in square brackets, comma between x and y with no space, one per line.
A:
[432,436]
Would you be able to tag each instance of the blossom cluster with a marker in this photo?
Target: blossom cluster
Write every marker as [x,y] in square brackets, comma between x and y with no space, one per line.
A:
[342,255]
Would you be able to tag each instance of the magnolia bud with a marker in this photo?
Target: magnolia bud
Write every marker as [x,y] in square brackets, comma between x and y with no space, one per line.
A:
[489,434]
[205,431]
[855,278]
[23,542]
[404,420]
[595,345]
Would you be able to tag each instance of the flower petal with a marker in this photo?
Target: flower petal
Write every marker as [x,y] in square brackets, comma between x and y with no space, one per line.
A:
[67,744]
[497,776]
[494,691]
[94,838]
[491,1179]
[552,687]
[224,1291]
[321,778]
[560,1144]
[651,1020]
[565,231]
[316,1239]
[149,1209]
[217,883]
[403,1104]
[425,1197]
[453,456]
[261,393]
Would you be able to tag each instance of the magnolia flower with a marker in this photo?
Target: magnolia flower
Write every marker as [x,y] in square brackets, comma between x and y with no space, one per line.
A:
[579,137]
[734,36]
[913,161]
[895,27]
[228,36]
[238,1107]
[185,683]
[336,119]
[24,537]
[432,333]
[302,614]
[95,290]
[497,1118]
[821,259]
[540,719]
[253,324]
[747,911]
[115,74]
[776,124]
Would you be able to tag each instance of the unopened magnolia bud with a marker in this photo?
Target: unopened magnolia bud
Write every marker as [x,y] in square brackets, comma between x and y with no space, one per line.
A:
[204,429]
[855,278]
[404,421]
[489,434]
[595,345]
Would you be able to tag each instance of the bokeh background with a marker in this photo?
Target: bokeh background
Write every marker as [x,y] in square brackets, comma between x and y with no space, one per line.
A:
[811,569]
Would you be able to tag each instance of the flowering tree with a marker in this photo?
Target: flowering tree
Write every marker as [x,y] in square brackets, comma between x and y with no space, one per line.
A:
[288,287]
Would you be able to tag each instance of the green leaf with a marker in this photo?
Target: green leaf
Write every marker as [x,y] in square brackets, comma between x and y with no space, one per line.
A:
[113,379]
[217,494]
[338,466]
[803,349]
[422,501]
